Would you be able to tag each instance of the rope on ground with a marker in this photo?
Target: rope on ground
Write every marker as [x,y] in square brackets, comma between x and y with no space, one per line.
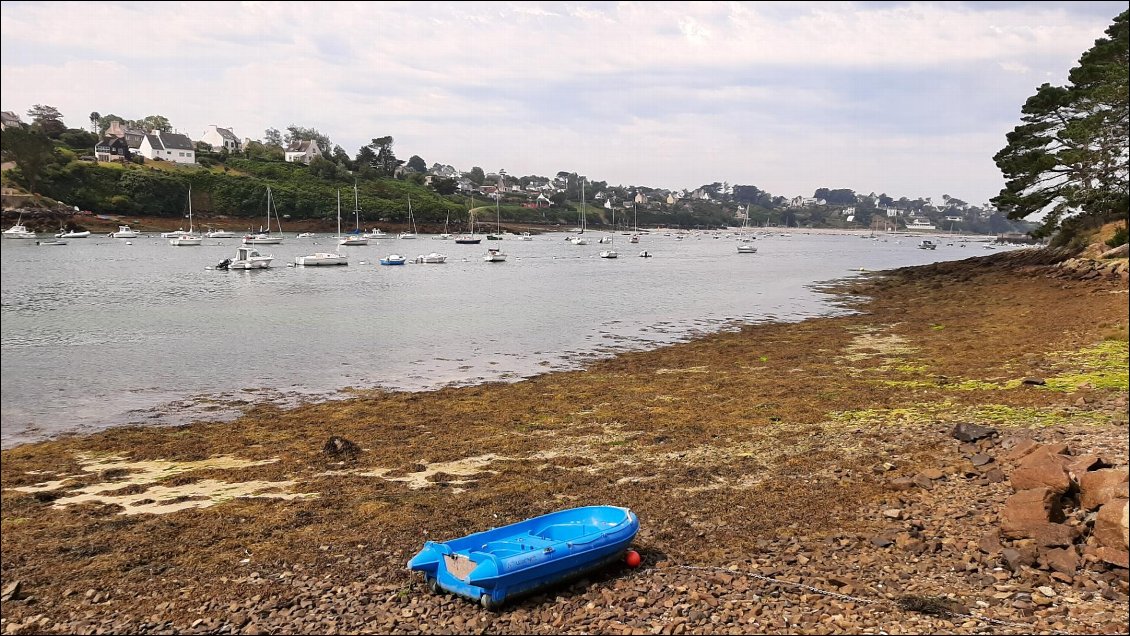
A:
[936,608]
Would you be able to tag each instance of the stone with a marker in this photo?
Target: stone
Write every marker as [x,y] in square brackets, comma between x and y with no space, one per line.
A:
[1019,447]
[1063,560]
[1097,487]
[990,543]
[980,459]
[11,591]
[1080,465]
[967,432]
[1120,558]
[1029,508]
[1042,468]
[1033,381]
[1111,525]
[1016,558]
[1053,535]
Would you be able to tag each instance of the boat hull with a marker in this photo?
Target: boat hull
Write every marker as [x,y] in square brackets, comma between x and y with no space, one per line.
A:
[499,565]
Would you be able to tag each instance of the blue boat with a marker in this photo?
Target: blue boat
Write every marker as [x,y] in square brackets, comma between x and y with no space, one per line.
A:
[393,259]
[498,565]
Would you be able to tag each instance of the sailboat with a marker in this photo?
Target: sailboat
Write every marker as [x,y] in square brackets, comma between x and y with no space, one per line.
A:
[325,258]
[356,237]
[412,234]
[445,236]
[497,236]
[265,237]
[190,237]
[469,239]
[745,243]
[611,252]
[580,238]
[635,225]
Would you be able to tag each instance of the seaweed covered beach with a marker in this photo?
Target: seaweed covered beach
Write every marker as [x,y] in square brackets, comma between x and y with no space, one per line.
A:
[817,477]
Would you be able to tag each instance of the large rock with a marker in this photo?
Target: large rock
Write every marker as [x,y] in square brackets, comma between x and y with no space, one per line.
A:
[1052,535]
[1027,510]
[1064,560]
[1121,558]
[1112,525]
[1043,468]
[1097,487]
[968,432]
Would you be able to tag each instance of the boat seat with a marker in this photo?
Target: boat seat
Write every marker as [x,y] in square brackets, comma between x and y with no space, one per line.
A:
[563,531]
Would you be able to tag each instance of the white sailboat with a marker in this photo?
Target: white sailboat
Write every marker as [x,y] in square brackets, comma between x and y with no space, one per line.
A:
[325,258]
[190,237]
[469,239]
[19,231]
[611,251]
[356,238]
[745,243]
[497,236]
[264,237]
[580,238]
[412,234]
[445,236]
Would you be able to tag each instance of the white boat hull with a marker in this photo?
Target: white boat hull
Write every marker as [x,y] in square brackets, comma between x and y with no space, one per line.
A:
[186,240]
[67,235]
[321,259]
[261,240]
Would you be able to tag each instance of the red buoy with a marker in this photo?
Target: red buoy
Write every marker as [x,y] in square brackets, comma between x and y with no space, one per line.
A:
[632,558]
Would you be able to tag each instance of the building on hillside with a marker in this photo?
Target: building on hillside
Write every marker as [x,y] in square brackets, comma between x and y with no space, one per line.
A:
[221,138]
[112,148]
[303,151]
[9,119]
[166,146]
[133,136]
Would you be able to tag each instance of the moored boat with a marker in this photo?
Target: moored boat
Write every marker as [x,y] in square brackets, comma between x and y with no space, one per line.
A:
[496,566]
[393,259]
[246,258]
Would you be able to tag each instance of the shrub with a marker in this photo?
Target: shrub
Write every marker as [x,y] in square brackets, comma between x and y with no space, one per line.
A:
[1119,238]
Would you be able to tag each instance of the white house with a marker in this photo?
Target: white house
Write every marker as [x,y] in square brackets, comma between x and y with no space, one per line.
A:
[220,138]
[173,147]
[303,151]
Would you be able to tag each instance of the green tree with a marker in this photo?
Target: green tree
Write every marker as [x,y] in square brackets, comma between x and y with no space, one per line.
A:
[386,161]
[416,163]
[477,176]
[48,119]
[1069,157]
[94,119]
[298,133]
[30,149]
[155,122]
[272,137]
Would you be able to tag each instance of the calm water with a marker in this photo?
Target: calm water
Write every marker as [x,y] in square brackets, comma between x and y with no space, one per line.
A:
[99,333]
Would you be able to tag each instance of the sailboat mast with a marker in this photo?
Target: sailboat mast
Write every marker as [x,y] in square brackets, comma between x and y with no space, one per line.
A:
[339,211]
[356,208]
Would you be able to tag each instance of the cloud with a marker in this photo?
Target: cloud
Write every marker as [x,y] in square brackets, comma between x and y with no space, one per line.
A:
[662,94]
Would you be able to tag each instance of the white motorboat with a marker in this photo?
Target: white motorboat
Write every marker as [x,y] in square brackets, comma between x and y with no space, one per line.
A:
[431,258]
[321,258]
[526,236]
[747,248]
[18,231]
[309,234]
[178,232]
[65,234]
[645,254]
[124,231]
[927,244]
[54,242]
[376,233]
[214,234]
[246,258]
[494,255]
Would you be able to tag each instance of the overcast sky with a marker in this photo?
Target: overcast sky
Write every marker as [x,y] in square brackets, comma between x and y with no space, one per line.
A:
[905,98]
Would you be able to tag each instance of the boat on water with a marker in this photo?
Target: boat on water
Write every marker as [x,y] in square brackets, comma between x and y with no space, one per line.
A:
[393,259]
[611,251]
[214,234]
[376,233]
[526,236]
[69,234]
[431,258]
[19,231]
[325,258]
[745,243]
[645,254]
[125,231]
[190,237]
[469,239]
[412,221]
[356,237]
[494,255]
[265,237]
[309,234]
[580,238]
[51,242]
[502,564]
[246,258]
[927,244]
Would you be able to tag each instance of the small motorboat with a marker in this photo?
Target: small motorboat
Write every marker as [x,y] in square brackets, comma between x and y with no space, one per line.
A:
[305,235]
[645,254]
[393,259]
[66,234]
[321,258]
[494,255]
[927,244]
[431,258]
[747,248]
[499,565]
[124,231]
[526,236]
[52,242]
[214,234]
[246,258]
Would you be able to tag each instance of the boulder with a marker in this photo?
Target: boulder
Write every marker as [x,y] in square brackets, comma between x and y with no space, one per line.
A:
[1097,487]
[1028,509]
[1120,558]
[1019,447]
[1111,525]
[1042,468]
[1080,465]
[1052,535]
[1064,560]
[968,432]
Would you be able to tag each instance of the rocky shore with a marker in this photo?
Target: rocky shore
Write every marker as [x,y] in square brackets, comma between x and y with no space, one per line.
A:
[949,458]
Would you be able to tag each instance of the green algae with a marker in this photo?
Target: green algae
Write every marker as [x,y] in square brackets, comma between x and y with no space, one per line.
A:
[1104,366]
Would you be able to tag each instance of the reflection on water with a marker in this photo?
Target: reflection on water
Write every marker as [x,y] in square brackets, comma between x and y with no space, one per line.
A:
[99,333]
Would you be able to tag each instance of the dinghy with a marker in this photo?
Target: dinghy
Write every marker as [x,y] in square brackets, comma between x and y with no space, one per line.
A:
[498,565]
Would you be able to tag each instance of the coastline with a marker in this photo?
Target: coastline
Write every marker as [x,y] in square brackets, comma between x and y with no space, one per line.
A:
[758,451]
